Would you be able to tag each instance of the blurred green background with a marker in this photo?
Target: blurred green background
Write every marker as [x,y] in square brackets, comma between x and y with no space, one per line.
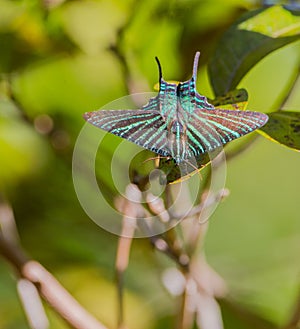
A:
[59,59]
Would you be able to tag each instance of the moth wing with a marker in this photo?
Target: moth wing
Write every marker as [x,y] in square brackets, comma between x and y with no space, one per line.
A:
[208,129]
[146,128]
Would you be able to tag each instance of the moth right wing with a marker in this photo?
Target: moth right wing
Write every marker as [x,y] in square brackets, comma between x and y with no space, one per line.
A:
[208,129]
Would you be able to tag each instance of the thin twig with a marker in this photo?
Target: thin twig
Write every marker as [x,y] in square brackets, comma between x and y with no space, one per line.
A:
[201,281]
[223,193]
[162,244]
[15,255]
[48,287]
[186,313]
[59,298]
[122,259]
[8,79]
[130,211]
[116,48]
[208,312]
[32,305]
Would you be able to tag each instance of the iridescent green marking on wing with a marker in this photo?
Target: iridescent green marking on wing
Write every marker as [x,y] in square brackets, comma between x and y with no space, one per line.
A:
[216,124]
[238,120]
[160,131]
[149,122]
[204,138]
[199,146]
[118,118]
[140,124]
[167,99]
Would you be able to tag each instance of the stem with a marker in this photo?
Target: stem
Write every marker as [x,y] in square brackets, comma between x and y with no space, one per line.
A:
[32,305]
[186,317]
[59,298]
[202,283]
[130,210]
[116,48]
[48,287]
[122,259]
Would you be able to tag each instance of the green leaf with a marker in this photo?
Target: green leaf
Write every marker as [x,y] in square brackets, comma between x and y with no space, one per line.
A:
[275,22]
[233,100]
[283,127]
[252,37]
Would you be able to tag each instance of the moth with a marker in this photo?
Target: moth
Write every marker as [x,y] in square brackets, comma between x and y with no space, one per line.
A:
[178,123]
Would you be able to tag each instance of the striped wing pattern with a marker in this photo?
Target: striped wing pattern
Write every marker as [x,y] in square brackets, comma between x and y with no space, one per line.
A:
[189,98]
[179,122]
[145,128]
[208,129]
[166,99]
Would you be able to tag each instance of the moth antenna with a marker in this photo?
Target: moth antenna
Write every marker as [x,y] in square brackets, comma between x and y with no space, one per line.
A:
[195,67]
[159,68]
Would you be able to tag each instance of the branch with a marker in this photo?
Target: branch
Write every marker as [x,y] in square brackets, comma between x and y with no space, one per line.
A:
[202,283]
[48,287]
[129,210]
[186,314]
[59,298]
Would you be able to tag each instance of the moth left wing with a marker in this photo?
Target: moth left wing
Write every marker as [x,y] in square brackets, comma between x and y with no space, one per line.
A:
[208,129]
[145,128]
